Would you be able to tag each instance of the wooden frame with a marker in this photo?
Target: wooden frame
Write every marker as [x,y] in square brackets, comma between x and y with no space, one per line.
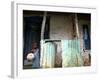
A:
[17,70]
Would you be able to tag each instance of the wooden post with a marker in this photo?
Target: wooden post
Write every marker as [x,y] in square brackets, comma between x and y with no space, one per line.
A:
[43,25]
[42,37]
[76,25]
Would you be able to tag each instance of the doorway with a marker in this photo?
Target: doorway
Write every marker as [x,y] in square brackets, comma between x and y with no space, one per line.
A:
[32,33]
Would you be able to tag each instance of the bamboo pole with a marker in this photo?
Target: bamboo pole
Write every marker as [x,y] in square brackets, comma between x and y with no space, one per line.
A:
[74,28]
[42,37]
[76,25]
[43,25]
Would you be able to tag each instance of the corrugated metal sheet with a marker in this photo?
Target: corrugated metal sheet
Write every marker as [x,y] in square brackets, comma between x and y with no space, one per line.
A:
[48,55]
[71,53]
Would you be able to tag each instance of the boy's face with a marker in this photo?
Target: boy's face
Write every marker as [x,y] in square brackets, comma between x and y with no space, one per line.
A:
[34,45]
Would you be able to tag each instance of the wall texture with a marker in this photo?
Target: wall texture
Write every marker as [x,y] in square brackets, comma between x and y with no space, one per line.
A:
[61,27]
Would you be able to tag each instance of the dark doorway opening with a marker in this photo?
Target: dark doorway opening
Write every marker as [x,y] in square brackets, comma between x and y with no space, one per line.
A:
[32,33]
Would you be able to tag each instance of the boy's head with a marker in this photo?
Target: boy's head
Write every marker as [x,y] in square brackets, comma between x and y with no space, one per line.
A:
[34,47]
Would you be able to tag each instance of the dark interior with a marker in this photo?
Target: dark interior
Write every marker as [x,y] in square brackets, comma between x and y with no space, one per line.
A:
[32,32]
